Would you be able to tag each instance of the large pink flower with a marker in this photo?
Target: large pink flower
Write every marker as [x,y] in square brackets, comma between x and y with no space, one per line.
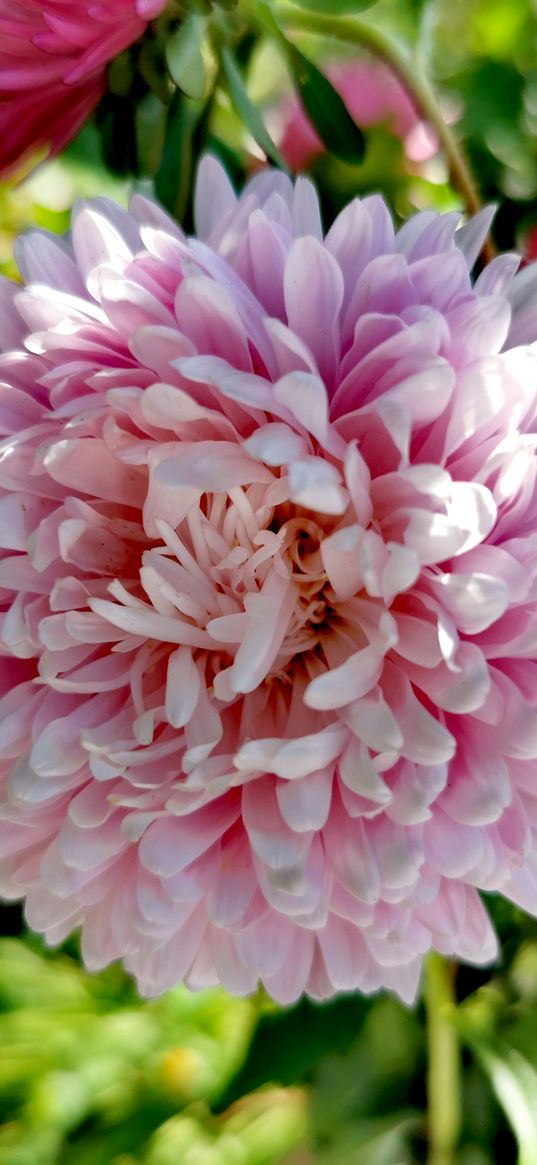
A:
[52,62]
[268,518]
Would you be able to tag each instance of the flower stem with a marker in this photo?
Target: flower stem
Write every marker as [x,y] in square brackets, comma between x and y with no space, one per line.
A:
[443,1074]
[351,30]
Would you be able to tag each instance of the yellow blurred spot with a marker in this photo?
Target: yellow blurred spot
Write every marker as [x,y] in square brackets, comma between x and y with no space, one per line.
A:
[179,1070]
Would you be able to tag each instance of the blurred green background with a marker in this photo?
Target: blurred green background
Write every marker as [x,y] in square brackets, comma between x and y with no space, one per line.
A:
[90,1074]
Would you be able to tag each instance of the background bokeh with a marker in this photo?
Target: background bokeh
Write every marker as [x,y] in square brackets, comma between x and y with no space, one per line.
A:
[92,1075]
[89,1073]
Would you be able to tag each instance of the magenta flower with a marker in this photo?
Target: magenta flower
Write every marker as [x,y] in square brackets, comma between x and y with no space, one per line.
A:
[53,57]
[373,96]
[270,603]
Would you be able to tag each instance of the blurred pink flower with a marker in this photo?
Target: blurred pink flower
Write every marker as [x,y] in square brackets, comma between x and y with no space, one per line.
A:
[53,57]
[373,96]
[529,245]
[269,571]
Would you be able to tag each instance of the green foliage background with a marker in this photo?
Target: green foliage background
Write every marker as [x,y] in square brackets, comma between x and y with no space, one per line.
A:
[90,1074]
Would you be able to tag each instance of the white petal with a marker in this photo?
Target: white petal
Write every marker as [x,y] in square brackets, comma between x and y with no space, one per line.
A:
[316,484]
[210,466]
[353,679]
[307,399]
[426,740]
[358,481]
[292,758]
[305,803]
[97,242]
[373,722]
[275,444]
[359,774]
[341,560]
[474,600]
[268,617]
[182,687]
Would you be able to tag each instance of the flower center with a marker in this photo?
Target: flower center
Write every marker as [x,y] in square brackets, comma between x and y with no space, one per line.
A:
[314,611]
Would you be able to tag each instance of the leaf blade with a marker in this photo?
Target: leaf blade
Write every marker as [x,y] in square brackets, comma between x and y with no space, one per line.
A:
[321,101]
[184,57]
[514,1081]
[247,111]
[325,108]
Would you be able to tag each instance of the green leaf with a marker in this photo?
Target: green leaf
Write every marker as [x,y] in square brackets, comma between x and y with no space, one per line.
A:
[151,65]
[184,57]
[380,1140]
[325,108]
[120,75]
[514,1081]
[247,111]
[150,120]
[506,1058]
[174,176]
[336,7]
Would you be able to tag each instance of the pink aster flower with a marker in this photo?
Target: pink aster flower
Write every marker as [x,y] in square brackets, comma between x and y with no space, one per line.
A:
[269,571]
[373,96]
[53,57]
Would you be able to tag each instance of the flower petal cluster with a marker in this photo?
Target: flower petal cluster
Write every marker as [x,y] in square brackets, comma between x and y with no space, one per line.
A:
[53,57]
[373,96]
[269,590]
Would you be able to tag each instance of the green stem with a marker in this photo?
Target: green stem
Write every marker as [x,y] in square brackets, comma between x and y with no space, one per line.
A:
[443,1074]
[351,30]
